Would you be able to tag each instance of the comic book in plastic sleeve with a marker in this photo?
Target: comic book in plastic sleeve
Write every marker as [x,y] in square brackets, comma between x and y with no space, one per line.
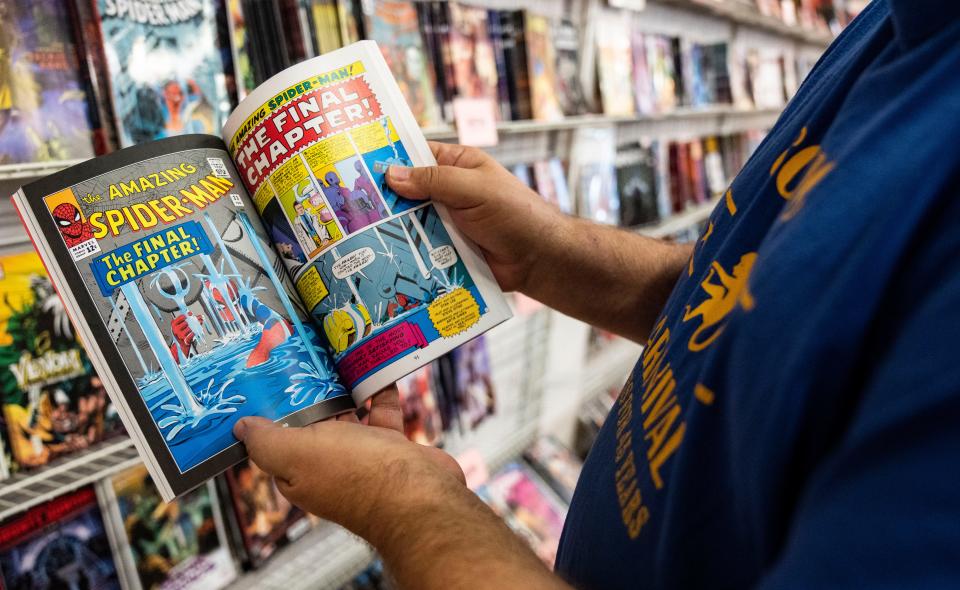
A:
[529,508]
[389,282]
[265,520]
[180,544]
[52,401]
[62,543]
[45,107]
[166,71]
[177,286]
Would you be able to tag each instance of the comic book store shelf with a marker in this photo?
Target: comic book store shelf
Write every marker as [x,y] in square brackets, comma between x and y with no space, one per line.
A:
[746,14]
[705,121]
[28,489]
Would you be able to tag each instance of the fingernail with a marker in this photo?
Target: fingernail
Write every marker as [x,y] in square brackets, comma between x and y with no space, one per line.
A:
[400,173]
[240,429]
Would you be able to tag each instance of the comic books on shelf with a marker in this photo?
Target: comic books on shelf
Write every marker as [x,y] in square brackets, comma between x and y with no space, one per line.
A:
[593,174]
[62,543]
[556,464]
[636,171]
[541,68]
[614,65]
[394,25]
[258,517]
[528,506]
[47,104]
[178,544]
[422,422]
[53,403]
[274,259]
[166,71]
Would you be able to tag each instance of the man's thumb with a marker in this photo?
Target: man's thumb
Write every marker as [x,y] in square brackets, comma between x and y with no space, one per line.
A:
[268,444]
[449,185]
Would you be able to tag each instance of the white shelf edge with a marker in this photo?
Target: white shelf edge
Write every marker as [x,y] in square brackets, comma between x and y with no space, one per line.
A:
[752,18]
[30,488]
[680,221]
[449,132]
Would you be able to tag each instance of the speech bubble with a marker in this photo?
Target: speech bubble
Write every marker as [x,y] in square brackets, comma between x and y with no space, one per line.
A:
[353,262]
[443,257]
[454,312]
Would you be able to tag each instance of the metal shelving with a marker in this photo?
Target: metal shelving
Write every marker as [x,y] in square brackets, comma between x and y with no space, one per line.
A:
[716,120]
[679,222]
[29,488]
[747,15]
[31,170]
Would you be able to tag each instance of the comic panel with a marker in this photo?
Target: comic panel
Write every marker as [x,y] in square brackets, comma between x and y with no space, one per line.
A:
[389,291]
[381,148]
[194,299]
[308,213]
[345,183]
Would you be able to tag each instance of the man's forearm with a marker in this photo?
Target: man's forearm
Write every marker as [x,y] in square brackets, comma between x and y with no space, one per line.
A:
[608,277]
[453,540]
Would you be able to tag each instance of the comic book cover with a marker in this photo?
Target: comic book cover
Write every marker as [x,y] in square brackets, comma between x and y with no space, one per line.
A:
[541,68]
[637,184]
[195,319]
[551,181]
[421,417]
[528,507]
[556,464]
[61,544]
[475,393]
[53,403]
[390,284]
[566,46]
[593,174]
[167,545]
[514,46]
[166,71]
[643,90]
[662,75]
[394,25]
[614,64]
[45,110]
[240,47]
[474,63]
[267,521]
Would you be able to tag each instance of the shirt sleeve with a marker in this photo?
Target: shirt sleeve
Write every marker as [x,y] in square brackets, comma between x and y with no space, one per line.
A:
[882,510]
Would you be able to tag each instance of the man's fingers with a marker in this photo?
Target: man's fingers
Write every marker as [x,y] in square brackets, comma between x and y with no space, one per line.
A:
[452,186]
[450,154]
[385,410]
[272,447]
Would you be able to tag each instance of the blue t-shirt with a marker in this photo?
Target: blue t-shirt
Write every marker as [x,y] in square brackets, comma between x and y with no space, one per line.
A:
[794,421]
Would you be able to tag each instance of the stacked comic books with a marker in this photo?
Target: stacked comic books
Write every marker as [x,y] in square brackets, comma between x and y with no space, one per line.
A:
[270,272]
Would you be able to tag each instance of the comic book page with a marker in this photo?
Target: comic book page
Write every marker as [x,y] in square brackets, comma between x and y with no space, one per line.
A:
[389,281]
[168,269]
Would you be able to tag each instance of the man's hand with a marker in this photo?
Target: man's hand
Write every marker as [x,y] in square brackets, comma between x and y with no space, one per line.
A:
[505,218]
[410,501]
[349,472]
[610,278]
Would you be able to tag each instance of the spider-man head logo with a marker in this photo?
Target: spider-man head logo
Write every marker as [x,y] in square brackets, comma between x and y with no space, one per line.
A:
[72,227]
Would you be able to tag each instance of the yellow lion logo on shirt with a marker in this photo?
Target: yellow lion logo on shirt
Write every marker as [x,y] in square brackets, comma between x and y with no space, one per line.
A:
[724,291]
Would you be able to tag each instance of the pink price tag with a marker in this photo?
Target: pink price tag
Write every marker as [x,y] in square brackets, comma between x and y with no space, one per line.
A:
[476,121]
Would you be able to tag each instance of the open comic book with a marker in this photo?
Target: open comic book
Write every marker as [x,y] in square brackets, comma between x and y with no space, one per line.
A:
[270,272]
